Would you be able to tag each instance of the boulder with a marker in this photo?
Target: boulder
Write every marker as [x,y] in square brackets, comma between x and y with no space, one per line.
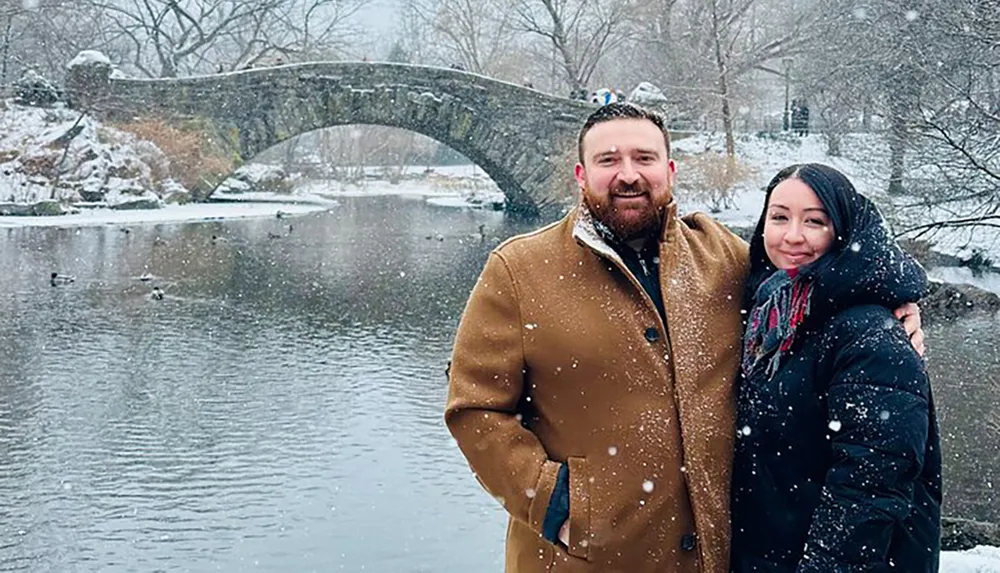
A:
[16,210]
[40,209]
[962,534]
[649,96]
[174,193]
[946,301]
[48,209]
[257,177]
[135,204]
[91,195]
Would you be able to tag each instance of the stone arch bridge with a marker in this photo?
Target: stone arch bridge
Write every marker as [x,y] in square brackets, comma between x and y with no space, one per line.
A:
[525,140]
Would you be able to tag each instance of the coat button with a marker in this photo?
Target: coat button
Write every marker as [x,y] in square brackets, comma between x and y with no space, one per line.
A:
[688,542]
[652,334]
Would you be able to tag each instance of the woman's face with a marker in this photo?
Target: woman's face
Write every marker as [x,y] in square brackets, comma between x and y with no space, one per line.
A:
[797,230]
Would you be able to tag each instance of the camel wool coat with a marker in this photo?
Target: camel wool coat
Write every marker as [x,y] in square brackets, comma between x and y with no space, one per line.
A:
[561,356]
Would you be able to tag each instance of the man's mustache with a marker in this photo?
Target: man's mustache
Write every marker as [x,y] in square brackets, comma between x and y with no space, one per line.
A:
[637,188]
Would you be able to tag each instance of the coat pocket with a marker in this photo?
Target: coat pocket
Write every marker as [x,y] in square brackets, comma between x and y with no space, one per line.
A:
[579,508]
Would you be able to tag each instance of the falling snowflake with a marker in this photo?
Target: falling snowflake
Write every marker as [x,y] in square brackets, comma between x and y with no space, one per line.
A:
[835,425]
[647,486]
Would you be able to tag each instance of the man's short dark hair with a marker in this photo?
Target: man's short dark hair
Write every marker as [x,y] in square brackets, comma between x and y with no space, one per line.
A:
[621,110]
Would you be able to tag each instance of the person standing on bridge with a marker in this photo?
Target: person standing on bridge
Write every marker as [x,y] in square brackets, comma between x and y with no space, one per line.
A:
[592,377]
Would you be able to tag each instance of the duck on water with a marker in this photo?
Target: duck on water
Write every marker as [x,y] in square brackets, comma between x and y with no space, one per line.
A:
[57,279]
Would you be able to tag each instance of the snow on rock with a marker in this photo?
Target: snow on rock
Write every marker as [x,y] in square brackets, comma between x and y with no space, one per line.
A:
[256,177]
[54,154]
[89,57]
[647,95]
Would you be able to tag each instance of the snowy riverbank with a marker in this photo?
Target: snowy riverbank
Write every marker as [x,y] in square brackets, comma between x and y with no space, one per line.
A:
[167,214]
[979,560]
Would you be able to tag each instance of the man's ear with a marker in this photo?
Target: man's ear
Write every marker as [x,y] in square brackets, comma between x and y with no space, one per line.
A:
[580,174]
[671,171]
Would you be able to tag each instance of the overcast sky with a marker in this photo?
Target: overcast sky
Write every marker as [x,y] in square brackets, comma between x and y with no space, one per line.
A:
[380,15]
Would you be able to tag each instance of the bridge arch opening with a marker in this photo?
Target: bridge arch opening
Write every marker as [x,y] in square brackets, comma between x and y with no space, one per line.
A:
[356,156]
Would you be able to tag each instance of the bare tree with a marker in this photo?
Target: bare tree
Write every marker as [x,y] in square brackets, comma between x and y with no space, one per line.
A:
[581,32]
[960,111]
[841,76]
[742,36]
[956,124]
[476,35]
[299,30]
[880,58]
[931,71]
[167,38]
[9,12]
[43,35]
[414,34]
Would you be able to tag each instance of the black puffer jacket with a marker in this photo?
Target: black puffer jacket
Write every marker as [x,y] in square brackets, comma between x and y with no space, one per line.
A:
[837,464]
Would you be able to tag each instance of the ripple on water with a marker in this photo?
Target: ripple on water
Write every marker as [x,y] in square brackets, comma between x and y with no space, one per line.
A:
[280,410]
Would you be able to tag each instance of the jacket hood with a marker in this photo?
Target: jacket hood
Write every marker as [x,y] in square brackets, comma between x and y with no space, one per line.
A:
[864,265]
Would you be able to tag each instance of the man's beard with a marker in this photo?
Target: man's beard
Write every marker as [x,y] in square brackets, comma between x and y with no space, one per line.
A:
[628,224]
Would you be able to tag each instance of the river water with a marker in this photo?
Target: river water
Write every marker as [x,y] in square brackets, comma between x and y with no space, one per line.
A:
[281,408]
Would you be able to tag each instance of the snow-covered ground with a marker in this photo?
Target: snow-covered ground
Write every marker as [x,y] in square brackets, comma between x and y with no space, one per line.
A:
[979,560]
[453,185]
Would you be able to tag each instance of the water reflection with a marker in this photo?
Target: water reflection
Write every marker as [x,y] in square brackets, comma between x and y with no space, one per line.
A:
[964,363]
[281,408]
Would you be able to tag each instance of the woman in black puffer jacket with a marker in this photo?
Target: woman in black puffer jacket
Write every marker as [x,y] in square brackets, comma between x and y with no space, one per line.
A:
[838,461]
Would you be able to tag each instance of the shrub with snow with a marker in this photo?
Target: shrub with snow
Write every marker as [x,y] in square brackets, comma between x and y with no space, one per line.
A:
[193,156]
[33,89]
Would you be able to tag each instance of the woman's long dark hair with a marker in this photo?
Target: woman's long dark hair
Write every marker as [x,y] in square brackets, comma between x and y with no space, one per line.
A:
[840,199]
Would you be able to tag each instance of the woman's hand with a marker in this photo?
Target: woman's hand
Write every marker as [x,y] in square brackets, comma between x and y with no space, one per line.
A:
[909,313]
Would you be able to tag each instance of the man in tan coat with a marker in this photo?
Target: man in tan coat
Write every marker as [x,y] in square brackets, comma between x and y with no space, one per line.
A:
[591,383]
